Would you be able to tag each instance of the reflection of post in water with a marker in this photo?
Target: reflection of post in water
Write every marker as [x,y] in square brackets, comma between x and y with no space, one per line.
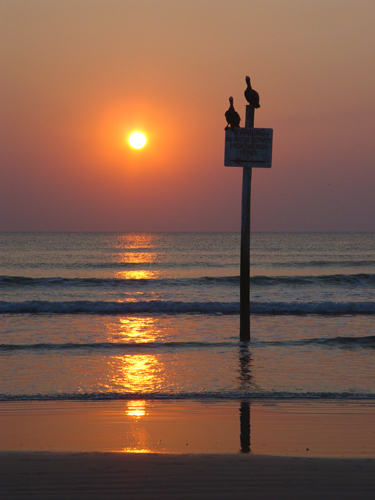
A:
[245,378]
[245,427]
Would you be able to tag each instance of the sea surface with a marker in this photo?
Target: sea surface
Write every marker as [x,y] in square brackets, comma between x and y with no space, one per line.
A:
[88,316]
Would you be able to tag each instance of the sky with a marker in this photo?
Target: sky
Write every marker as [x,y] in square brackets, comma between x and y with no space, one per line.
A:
[78,76]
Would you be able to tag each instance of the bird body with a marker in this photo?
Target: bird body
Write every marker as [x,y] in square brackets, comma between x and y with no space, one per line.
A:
[251,95]
[232,117]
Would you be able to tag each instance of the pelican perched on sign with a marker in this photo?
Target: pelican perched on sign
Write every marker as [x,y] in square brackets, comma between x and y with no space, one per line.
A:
[251,95]
[232,117]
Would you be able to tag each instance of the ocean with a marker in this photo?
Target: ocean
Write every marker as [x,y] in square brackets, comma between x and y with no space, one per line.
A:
[111,316]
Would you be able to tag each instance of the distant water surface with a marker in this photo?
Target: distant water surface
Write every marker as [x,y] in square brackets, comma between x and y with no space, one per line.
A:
[124,316]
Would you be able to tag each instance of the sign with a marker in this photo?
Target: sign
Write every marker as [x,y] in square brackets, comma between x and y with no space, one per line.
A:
[248,147]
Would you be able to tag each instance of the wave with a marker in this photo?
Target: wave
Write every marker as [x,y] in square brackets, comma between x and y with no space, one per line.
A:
[199,396]
[293,263]
[344,342]
[361,279]
[12,282]
[114,346]
[204,262]
[367,341]
[319,308]
[177,307]
[103,307]
[23,281]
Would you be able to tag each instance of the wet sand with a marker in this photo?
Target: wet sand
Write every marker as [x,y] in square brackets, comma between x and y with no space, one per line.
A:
[187,449]
[283,428]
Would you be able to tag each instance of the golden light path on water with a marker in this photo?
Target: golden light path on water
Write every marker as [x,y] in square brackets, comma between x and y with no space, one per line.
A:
[137,275]
[130,244]
[136,373]
[137,258]
[136,241]
[139,330]
[136,408]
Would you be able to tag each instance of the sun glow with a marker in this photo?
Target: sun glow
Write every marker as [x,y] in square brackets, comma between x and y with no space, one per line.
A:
[137,140]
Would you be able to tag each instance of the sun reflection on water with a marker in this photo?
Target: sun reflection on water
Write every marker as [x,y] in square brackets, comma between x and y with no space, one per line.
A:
[136,450]
[135,372]
[136,409]
[134,241]
[137,249]
[137,275]
[139,373]
[140,329]
[137,257]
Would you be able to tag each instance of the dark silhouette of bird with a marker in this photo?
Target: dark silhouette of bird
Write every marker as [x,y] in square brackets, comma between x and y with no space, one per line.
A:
[232,117]
[251,95]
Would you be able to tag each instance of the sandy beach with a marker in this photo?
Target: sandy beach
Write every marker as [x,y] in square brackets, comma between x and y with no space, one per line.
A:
[146,476]
[143,450]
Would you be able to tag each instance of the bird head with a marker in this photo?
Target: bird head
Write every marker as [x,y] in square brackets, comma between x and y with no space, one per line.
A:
[247,80]
[231,99]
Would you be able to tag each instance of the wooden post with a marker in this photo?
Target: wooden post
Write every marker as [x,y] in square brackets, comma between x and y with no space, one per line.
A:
[245,242]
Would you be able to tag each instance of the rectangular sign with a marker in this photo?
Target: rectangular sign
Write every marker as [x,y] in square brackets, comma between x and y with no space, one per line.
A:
[248,147]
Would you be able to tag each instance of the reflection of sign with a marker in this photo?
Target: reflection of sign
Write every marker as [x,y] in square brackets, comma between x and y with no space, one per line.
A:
[248,147]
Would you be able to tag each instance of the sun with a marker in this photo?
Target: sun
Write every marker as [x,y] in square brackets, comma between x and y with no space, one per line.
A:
[137,140]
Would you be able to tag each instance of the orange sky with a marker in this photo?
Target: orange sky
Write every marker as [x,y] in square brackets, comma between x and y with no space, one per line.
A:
[77,76]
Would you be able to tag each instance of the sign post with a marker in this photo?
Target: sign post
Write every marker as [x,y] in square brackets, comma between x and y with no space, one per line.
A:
[249,148]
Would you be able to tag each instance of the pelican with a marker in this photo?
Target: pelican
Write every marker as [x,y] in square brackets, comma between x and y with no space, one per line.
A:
[251,95]
[232,117]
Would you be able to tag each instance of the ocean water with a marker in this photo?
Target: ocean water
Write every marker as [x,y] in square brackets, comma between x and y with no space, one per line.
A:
[88,316]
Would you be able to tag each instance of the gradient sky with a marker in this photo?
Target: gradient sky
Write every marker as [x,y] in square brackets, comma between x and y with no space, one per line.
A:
[77,76]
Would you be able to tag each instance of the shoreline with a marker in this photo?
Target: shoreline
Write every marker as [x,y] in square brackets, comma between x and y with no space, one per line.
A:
[269,427]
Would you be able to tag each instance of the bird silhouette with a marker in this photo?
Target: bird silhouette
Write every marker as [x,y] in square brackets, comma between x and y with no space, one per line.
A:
[232,117]
[251,95]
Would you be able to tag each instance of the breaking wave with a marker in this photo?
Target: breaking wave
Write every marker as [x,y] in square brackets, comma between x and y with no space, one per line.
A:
[23,281]
[340,342]
[103,307]
[362,279]
[114,346]
[328,308]
[199,396]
